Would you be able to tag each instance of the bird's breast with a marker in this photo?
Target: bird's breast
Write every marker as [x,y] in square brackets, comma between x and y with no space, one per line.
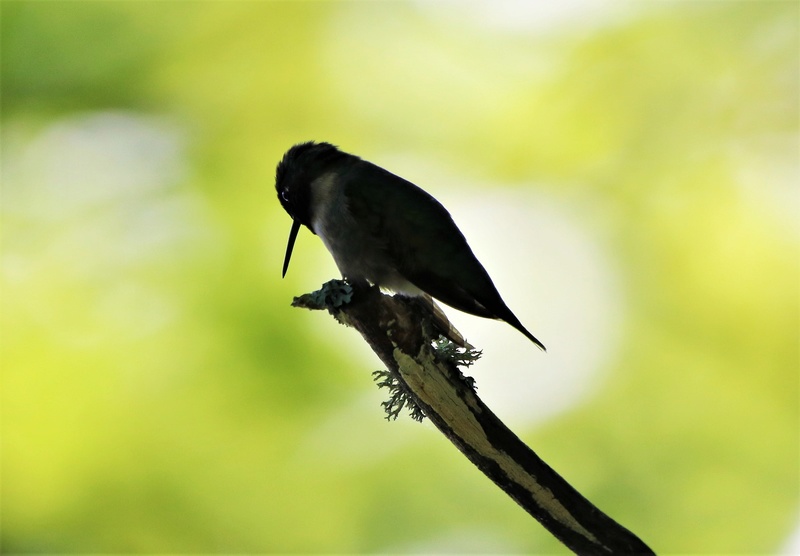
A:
[359,253]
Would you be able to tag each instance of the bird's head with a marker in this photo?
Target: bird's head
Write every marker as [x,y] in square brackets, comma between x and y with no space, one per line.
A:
[297,170]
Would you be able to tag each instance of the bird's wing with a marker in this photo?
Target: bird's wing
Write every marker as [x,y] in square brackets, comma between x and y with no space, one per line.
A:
[421,238]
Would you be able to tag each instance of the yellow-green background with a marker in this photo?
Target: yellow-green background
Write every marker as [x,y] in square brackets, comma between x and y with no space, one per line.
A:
[159,395]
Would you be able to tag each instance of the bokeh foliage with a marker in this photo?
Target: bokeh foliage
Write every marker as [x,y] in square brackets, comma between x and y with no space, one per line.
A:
[160,396]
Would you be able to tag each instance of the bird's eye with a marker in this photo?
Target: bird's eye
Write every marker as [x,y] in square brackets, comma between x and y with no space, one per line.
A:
[284,196]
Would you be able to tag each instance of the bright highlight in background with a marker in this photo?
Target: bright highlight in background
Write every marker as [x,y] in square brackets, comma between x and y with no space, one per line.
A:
[561,281]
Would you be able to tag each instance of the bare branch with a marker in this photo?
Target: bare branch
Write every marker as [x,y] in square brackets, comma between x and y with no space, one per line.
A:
[403,332]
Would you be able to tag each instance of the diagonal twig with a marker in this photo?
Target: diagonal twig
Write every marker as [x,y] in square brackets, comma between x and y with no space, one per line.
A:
[403,332]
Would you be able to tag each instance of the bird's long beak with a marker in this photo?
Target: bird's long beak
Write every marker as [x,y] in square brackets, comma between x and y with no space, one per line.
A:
[290,245]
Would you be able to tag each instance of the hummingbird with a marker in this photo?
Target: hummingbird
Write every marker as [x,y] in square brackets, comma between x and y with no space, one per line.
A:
[384,230]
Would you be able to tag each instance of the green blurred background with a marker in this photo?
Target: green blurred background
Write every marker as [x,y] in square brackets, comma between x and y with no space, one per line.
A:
[160,395]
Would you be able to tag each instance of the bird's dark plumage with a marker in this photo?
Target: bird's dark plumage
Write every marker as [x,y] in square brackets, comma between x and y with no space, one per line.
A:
[382,228]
